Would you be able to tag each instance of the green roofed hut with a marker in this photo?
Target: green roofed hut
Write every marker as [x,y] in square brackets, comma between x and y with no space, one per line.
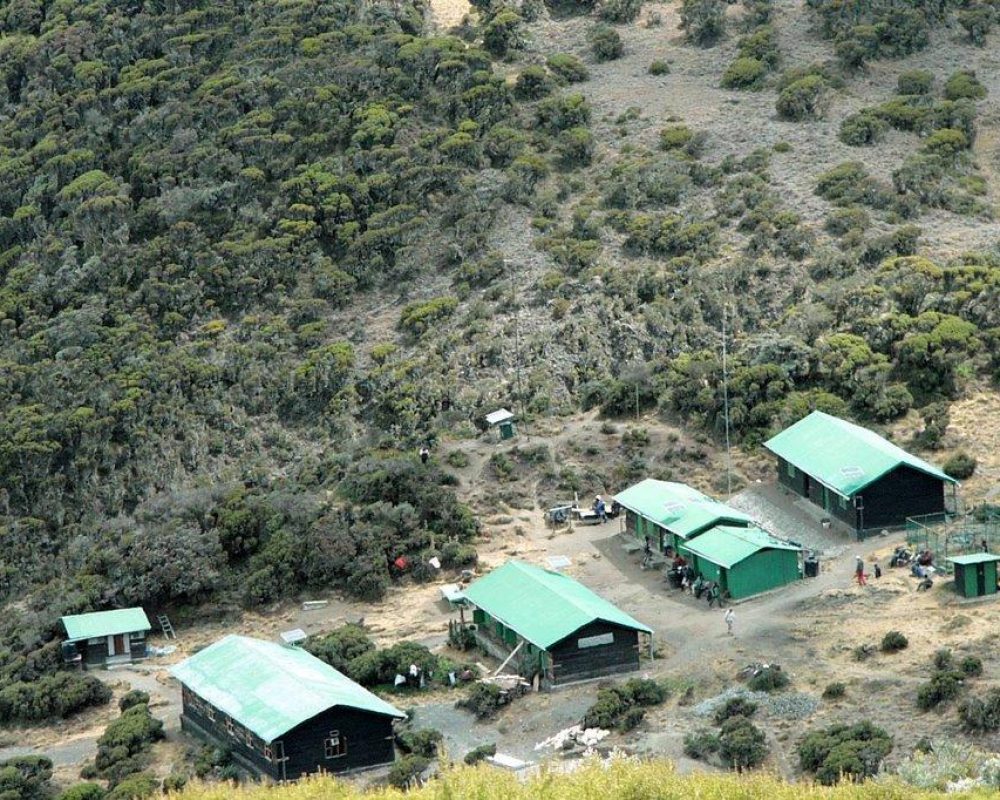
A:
[671,514]
[975,574]
[545,624]
[106,638]
[855,475]
[744,561]
[281,711]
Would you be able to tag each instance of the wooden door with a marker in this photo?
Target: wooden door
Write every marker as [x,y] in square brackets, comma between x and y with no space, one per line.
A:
[980,580]
[118,645]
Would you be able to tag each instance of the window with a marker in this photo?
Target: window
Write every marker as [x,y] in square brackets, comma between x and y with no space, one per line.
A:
[209,711]
[843,503]
[595,641]
[790,469]
[268,752]
[249,739]
[335,746]
[230,729]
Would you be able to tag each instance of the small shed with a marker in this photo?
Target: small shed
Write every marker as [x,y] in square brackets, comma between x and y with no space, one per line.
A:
[106,638]
[672,513]
[281,711]
[975,574]
[744,561]
[502,421]
[545,623]
[855,475]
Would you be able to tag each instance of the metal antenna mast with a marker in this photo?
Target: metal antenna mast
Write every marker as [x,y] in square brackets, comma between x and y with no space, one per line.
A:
[725,405]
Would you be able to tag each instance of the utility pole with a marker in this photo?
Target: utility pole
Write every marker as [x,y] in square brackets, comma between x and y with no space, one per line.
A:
[517,349]
[725,405]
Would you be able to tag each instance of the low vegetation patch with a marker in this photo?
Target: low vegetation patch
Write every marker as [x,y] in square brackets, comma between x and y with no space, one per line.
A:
[623,707]
[850,751]
[893,642]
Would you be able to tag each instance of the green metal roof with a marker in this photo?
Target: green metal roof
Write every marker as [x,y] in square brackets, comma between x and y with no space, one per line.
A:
[543,607]
[727,546]
[677,507]
[841,455]
[973,558]
[105,623]
[270,688]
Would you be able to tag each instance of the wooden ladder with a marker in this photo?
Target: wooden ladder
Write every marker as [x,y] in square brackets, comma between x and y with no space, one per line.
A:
[166,627]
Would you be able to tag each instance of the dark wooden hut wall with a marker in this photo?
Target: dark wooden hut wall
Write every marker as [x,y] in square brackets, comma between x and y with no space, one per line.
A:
[570,662]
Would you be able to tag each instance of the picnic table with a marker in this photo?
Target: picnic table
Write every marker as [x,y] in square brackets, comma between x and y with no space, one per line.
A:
[657,560]
[631,547]
[452,592]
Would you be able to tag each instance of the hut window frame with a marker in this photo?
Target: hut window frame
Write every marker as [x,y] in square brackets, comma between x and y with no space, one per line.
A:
[230,728]
[268,753]
[790,469]
[335,745]
[842,502]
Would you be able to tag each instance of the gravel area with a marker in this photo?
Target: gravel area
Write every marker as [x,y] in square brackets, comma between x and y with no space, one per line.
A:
[787,705]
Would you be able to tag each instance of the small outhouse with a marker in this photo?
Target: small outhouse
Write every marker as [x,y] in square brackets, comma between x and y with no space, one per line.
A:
[975,574]
[502,421]
[106,638]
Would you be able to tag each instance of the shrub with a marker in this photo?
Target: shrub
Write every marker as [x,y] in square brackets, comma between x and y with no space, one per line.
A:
[972,666]
[51,696]
[339,647]
[842,220]
[943,659]
[701,744]
[575,147]
[862,128]
[605,42]
[134,787]
[854,751]
[480,753]
[483,700]
[25,778]
[659,68]
[964,85]
[977,21]
[533,83]
[570,68]
[802,99]
[704,21]
[620,10]
[83,791]
[742,744]
[735,707]
[405,771]
[631,719]
[744,73]
[943,686]
[893,642]
[129,735]
[961,466]
[560,113]
[981,715]
[135,697]
[418,316]
[675,137]
[501,32]
[423,742]
[914,82]
[834,690]
[769,679]
[615,705]
[946,143]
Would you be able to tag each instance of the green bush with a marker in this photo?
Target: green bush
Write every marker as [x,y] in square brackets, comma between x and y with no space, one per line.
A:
[862,128]
[560,113]
[502,32]
[704,21]
[632,718]
[943,686]
[570,68]
[418,317]
[129,735]
[963,85]
[406,770]
[134,697]
[423,742]
[50,697]
[134,787]
[701,744]
[744,73]
[339,647]
[483,700]
[675,137]
[620,10]
[961,466]
[981,715]
[943,659]
[852,751]
[971,666]
[915,82]
[575,147]
[480,753]
[834,691]
[532,83]
[802,99]
[605,43]
[893,642]
[769,679]
[977,21]
[83,791]
[659,68]
[615,705]
[843,220]
[735,707]
[742,744]
[25,778]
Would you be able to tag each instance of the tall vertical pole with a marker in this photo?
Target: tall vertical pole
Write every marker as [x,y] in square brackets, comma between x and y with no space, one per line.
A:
[725,405]
[517,349]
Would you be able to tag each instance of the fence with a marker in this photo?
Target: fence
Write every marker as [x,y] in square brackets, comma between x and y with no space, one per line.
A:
[948,535]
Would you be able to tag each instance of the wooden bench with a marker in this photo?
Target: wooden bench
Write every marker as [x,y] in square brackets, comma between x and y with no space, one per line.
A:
[452,592]
[631,547]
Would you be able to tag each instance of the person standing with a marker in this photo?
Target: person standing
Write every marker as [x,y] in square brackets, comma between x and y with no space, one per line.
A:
[878,571]
[859,571]
[425,454]
[730,618]
[647,553]
[985,545]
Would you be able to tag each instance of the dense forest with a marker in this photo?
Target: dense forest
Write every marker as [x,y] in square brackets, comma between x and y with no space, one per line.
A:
[254,253]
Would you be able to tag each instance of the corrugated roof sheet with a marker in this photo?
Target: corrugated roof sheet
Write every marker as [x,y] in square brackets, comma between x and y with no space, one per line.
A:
[543,607]
[498,416]
[271,689]
[677,507]
[105,623]
[841,455]
[974,558]
[728,546]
